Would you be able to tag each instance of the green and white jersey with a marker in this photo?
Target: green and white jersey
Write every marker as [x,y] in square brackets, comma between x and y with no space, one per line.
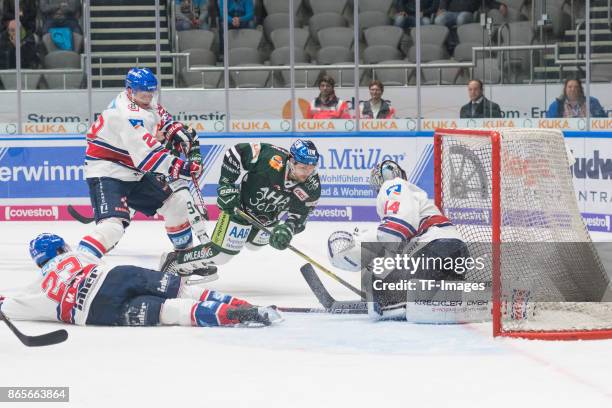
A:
[266,191]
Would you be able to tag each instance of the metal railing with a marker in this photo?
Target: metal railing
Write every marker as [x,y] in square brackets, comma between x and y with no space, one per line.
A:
[47,71]
[340,67]
[137,58]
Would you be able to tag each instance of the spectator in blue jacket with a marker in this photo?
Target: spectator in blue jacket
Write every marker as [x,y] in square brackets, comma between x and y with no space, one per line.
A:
[572,103]
[240,14]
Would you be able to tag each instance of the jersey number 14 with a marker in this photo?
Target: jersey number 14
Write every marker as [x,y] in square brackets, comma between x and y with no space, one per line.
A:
[392,207]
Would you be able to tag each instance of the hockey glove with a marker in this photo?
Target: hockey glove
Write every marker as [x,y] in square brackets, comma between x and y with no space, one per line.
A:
[228,197]
[194,154]
[184,169]
[177,133]
[281,236]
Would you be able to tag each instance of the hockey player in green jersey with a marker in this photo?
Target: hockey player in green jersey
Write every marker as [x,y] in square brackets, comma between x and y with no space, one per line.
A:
[276,182]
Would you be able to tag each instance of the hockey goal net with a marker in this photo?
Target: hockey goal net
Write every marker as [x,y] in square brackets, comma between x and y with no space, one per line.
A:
[510,194]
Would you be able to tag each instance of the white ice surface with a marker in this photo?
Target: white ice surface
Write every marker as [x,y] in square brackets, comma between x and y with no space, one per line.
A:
[310,360]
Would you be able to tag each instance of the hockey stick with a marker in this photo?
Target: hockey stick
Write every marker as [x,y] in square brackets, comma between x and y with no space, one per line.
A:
[339,310]
[47,339]
[79,217]
[88,220]
[330,304]
[202,204]
[329,273]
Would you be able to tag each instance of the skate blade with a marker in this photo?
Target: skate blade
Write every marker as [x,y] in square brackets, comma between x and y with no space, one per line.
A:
[194,280]
[273,314]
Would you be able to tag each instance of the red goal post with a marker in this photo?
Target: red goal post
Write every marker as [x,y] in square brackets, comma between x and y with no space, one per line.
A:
[493,185]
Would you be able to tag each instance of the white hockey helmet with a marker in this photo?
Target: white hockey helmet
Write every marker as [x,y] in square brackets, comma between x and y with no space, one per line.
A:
[387,170]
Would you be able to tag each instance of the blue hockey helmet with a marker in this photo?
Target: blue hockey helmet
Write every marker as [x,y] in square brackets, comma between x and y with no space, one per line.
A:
[47,246]
[141,80]
[305,152]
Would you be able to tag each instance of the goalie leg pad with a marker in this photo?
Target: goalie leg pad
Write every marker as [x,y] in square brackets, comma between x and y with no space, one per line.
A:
[436,306]
[103,238]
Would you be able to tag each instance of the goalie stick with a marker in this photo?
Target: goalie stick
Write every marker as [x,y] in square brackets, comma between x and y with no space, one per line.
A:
[47,339]
[329,273]
[330,304]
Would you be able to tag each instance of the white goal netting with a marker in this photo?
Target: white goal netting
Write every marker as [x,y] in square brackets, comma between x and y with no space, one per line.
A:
[520,193]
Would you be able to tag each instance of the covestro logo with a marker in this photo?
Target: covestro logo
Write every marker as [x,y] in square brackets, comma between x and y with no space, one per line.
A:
[31,213]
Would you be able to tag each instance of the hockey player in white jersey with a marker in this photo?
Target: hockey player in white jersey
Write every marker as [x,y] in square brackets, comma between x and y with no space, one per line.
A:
[75,288]
[126,167]
[409,223]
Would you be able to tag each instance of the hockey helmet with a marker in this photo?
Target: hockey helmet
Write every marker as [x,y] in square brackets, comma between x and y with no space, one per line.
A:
[305,152]
[387,170]
[141,80]
[47,246]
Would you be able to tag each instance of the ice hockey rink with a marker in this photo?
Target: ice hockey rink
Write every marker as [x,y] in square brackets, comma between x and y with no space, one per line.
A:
[309,360]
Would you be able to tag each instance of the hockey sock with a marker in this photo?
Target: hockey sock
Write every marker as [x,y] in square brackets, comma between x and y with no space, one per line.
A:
[103,238]
[180,235]
[223,298]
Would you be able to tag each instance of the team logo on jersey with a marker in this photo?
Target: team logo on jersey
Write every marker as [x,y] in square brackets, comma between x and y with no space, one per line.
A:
[301,194]
[394,190]
[276,162]
[136,122]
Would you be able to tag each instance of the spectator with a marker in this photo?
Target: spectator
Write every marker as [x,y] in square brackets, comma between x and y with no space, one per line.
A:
[191,15]
[29,56]
[61,13]
[478,107]
[456,12]
[327,105]
[376,107]
[27,14]
[572,103]
[240,14]
[406,11]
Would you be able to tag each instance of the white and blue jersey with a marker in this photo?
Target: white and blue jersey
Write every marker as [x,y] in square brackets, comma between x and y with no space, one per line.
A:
[64,291]
[123,143]
[407,214]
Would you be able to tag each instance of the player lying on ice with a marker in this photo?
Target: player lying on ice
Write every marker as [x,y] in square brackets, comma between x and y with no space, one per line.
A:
[410,223]
[127,166]
[75,288]
[276,181]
